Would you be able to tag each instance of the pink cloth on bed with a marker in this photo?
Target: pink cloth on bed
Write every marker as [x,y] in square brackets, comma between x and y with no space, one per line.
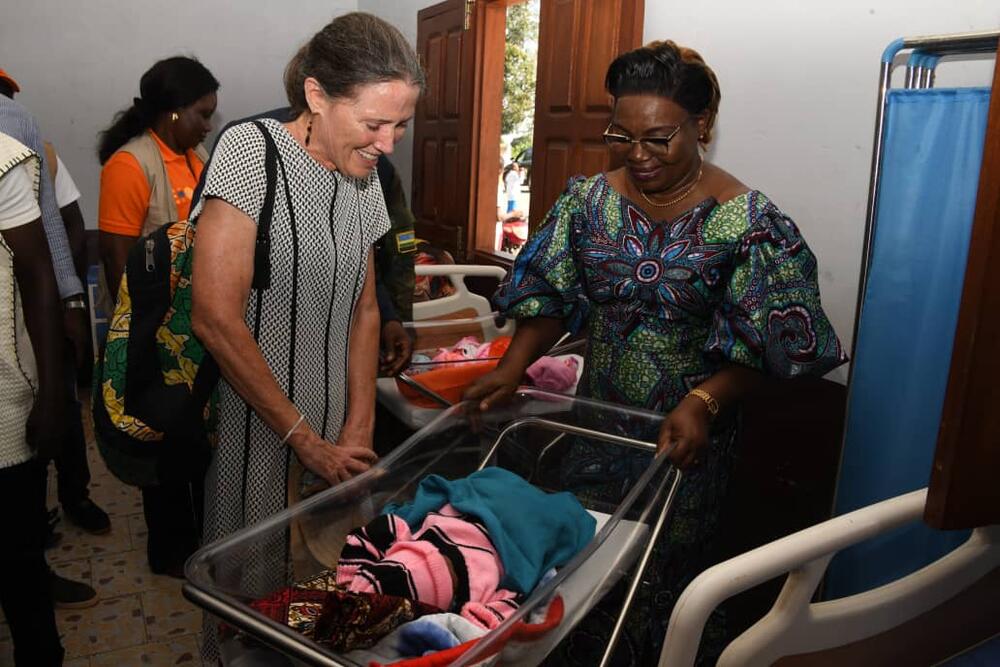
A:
[449,563]
[553,374]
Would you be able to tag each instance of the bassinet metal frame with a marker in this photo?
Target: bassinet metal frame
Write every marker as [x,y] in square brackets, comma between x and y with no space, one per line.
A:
[232,611]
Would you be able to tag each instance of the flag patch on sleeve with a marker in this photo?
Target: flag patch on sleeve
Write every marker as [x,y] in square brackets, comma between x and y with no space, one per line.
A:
[406,241]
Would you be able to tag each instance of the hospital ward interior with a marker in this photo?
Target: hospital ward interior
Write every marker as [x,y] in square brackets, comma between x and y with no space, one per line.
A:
[572,333]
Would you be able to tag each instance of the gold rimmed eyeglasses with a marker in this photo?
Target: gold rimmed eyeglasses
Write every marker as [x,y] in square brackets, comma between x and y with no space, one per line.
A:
[658,145]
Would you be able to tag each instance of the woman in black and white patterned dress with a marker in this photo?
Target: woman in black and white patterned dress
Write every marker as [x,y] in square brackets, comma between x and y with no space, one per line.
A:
[299,358]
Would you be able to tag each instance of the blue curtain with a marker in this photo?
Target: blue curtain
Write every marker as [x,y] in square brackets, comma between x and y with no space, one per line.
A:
[930,176]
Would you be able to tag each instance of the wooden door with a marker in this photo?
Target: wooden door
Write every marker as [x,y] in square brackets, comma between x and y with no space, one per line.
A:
[442,129]
[577,41]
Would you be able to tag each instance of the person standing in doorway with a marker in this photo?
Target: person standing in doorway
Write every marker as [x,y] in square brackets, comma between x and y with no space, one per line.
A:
[512,182]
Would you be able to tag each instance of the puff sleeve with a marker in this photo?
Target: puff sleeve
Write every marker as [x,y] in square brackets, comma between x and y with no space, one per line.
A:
[546,280]
[770,317]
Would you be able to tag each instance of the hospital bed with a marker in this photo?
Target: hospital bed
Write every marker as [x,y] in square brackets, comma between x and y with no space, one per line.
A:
[796,625]
[441,323]
[528,436]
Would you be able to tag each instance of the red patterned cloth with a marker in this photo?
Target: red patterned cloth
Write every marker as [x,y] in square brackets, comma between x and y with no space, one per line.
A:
[338,619]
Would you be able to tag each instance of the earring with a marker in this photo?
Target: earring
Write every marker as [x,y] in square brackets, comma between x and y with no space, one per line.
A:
[309,129]
[174,117]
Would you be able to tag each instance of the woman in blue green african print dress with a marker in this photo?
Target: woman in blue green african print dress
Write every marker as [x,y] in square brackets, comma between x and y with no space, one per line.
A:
[689,286]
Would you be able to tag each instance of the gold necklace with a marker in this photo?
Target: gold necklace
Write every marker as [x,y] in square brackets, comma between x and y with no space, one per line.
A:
[676,199]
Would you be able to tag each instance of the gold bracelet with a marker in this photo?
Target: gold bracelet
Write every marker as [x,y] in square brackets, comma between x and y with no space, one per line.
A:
[713,405]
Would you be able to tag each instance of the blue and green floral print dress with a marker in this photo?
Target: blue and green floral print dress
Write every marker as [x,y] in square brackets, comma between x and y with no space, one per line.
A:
[665,304]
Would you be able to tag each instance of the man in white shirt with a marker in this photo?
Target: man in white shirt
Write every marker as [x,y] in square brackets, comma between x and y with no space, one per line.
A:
[32,403]
[64,230]
[71,460]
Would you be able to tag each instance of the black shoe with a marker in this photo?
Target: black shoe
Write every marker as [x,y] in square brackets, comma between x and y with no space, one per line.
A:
[85,514]
[69,594]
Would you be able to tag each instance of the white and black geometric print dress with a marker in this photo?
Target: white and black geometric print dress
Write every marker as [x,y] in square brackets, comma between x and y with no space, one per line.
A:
[318,268]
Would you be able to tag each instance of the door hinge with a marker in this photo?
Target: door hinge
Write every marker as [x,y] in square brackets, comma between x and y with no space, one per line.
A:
[470,7]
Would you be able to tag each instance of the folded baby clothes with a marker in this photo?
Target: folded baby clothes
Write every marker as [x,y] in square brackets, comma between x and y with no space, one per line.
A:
[428,634]
[449,563]
[532,531]
[554,373]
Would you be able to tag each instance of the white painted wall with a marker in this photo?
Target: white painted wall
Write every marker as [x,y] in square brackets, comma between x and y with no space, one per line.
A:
[797,116]
[79,63]
[798,85]
[798,82]
[403,15]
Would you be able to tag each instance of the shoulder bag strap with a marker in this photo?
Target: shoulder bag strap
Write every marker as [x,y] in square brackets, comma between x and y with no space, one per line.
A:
[262,250]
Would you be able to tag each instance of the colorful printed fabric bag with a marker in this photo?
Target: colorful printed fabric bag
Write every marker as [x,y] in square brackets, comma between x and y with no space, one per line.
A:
[155,399]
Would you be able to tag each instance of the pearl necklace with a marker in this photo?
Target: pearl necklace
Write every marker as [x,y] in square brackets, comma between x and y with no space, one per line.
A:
[676,199]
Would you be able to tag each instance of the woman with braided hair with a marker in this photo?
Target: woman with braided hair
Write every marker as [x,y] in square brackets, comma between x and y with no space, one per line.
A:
[152,159]
[690,285]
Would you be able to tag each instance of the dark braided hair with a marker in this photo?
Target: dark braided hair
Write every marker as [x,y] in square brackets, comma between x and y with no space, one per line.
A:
[170,84]
[663,68]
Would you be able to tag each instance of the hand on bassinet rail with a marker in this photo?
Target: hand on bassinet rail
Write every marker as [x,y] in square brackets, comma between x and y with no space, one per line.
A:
[494,388]
[684,434]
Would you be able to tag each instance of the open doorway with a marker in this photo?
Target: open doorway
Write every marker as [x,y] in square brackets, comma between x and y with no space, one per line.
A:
[458,162]
[517,126]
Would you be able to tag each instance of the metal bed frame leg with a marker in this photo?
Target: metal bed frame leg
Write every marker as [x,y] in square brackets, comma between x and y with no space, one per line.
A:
[885,75]
[637,579]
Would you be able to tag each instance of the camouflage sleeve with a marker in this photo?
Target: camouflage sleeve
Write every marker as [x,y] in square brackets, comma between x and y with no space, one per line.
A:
[386,309]
[395,251]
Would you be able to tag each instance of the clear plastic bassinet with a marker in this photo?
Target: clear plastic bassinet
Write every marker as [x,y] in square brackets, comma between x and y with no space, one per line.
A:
[532,436]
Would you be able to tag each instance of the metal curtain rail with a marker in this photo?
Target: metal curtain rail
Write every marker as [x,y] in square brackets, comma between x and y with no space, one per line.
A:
[919,74]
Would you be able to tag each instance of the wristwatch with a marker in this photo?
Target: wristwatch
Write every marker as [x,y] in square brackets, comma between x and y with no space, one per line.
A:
[75,303]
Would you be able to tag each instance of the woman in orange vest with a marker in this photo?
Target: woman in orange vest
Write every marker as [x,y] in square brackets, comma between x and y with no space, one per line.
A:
[153,158]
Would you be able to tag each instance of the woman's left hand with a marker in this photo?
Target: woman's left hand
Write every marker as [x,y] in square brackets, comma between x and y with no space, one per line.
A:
[684,433]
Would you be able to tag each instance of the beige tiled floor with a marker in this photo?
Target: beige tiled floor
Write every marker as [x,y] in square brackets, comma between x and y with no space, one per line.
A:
[140,619]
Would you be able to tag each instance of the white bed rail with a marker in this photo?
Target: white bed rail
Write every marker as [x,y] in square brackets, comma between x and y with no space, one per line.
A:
[462,298]
[794,624]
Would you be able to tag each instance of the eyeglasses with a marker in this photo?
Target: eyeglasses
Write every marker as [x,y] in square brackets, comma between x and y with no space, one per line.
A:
[656,145]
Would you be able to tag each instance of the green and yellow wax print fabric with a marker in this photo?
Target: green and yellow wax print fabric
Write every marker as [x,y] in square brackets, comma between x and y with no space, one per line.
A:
[667,303]
[180,353]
